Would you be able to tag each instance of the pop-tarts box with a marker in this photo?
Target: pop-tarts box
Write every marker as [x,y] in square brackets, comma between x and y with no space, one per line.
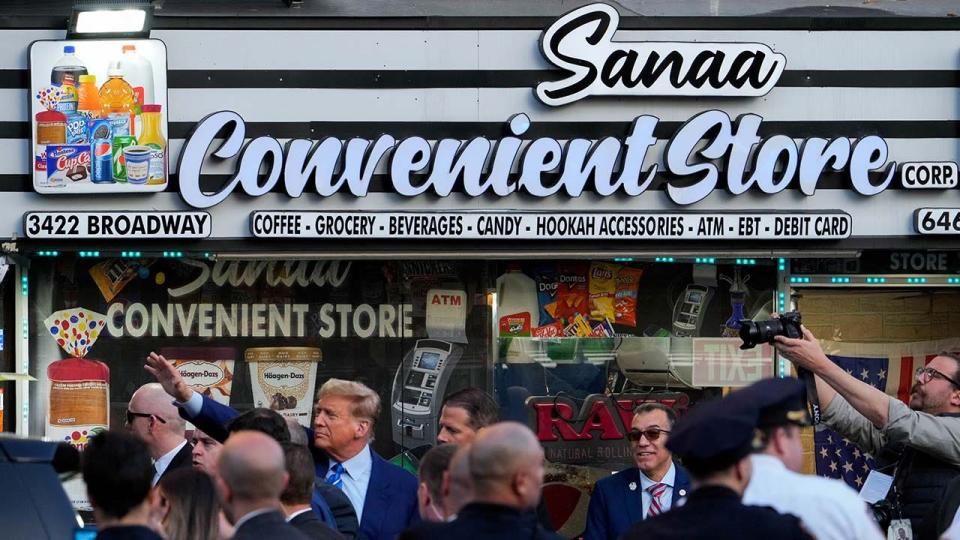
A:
[67,162]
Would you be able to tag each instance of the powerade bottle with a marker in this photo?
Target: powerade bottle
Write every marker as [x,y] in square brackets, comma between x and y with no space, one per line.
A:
[68,64]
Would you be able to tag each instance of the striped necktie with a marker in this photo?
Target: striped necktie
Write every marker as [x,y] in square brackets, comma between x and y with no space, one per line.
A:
[334,478]
[656,491]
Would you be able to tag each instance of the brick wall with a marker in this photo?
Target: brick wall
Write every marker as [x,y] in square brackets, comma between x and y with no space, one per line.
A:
[875,315]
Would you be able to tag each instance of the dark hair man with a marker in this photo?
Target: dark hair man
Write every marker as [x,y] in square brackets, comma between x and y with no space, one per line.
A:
[252,477]
[715,441]
[650,488]
[117,471]
[506,469]
[432,469]
[295,499]
[464,413]
[922,440]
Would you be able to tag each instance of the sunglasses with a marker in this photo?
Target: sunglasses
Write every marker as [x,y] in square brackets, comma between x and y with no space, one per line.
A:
[925,374]
[651,434]
[133,415]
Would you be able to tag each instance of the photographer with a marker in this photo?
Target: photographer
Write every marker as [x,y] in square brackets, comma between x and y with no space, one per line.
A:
[924,437]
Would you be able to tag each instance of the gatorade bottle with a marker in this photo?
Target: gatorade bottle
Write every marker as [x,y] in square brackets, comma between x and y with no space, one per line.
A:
[68,64]
[152,137]
[118,103]
[88,97]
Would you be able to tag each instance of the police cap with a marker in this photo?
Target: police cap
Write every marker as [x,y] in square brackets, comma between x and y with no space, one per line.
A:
[778,401]
[714,436]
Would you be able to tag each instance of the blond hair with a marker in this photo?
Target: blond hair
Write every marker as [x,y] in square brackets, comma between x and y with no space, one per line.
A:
[365,403]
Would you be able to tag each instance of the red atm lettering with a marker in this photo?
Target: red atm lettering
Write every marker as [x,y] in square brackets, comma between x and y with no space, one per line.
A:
[447,299]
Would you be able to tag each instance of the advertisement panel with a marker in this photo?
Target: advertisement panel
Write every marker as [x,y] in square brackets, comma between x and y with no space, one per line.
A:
[98,116]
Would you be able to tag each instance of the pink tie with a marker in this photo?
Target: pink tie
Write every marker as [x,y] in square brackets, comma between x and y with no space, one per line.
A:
[656,491]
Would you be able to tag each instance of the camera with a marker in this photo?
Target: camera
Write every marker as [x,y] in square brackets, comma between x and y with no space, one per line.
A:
[883,512]
[752,333]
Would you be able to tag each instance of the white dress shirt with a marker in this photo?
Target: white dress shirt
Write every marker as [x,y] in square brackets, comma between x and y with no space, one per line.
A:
[356,477]
[666,500]
[828,508]
[163,462]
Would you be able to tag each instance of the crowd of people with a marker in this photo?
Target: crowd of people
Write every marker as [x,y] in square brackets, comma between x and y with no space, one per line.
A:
[729,468]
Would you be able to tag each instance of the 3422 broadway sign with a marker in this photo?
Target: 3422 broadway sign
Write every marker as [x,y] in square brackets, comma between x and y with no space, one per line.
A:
[541,225]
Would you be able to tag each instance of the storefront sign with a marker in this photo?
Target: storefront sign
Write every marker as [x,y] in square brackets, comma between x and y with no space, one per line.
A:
[719,362]
[259,320]
[734,142]
[566,226]
[937,220]
[595,433]
[929,175]
[581,43]
[119,225]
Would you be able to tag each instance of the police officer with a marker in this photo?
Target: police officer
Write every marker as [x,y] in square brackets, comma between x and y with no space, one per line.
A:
[714,442]
[829,509]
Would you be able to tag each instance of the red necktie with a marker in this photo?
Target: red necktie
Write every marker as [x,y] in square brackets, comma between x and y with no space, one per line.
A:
[656,491]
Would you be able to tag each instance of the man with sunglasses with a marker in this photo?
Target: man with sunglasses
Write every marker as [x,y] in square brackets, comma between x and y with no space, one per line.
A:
[651,488]
[156,421]
[920,442]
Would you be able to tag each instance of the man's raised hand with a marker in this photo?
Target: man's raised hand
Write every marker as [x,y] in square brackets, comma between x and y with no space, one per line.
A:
[168,377]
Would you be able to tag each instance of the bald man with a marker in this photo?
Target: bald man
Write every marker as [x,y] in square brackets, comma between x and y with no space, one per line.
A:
[252,476]
[155,420]
[505,463]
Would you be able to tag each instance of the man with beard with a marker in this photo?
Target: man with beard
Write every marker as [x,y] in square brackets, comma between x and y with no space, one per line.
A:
[921,440]
[652,487]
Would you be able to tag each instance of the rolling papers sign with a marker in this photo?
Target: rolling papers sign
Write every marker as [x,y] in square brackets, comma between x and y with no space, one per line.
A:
[581,43]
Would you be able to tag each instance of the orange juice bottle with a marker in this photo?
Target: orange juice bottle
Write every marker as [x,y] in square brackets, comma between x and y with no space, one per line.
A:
[118,103]
[88,98]
[152,137]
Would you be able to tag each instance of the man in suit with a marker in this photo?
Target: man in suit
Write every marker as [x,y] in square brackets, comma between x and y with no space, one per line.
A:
[654,486]
[506,470]
[206,452]
[714,441]
[383,495]
[295,499]
[464,413]
[156,421]
[117,471]
[252,476]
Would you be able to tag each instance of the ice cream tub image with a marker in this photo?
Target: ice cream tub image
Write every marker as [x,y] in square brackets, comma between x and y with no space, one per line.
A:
[207,370]
[137,159]
[284,378]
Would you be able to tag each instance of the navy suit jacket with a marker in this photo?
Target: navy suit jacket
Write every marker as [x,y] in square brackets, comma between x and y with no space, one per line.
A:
[390,505]
[614,507]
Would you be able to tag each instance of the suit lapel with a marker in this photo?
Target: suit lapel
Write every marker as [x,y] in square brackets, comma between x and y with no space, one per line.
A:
[632,496]
[681,487]
[378,494]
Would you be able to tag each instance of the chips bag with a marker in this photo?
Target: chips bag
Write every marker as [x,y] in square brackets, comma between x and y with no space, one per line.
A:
[603,288]
[516,325]
[625,306]
[547,288]
[572,293]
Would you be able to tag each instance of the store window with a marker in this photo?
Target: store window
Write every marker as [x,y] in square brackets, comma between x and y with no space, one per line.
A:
[256,333]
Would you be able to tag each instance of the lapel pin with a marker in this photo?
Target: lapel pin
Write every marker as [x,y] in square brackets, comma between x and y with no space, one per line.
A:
[683,493]
[632,486]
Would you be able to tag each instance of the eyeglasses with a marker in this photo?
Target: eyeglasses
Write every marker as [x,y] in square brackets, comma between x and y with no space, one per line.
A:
[925,374]
[651,434]
[132,415]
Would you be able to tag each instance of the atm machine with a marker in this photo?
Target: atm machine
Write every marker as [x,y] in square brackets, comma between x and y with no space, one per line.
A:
[417,397]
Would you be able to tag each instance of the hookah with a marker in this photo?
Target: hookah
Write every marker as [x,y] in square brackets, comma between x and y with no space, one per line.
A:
[738,296]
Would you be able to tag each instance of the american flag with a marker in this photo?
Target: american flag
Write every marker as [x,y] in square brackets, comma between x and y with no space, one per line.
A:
[887,366]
